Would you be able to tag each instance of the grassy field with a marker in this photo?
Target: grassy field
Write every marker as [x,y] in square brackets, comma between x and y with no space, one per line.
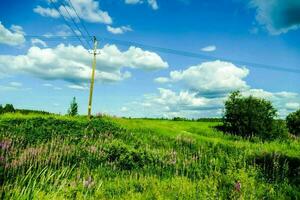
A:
[57,157]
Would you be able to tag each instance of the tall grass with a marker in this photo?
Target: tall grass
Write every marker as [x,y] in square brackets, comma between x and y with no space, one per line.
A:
[54,157]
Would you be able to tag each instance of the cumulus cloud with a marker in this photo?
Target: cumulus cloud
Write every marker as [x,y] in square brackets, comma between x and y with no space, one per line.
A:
[209,48]
[185,103]
[12,37]
[46,12]
[152,3]
[36,41]
[88,10]
[118,30]
[73,63]
[210,78]
[205,89]
[277,16]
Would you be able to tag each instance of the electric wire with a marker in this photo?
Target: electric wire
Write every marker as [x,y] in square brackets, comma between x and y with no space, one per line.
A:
[63,5]
[67,23]
[81,22]
[181,53]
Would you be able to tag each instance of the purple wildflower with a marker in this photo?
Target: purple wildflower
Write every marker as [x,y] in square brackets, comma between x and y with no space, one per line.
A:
[238,186]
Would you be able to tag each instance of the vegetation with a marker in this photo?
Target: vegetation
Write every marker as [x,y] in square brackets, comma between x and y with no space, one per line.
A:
[8,108]
[293,122]
[251,116]
[73,110]
[63,157]
[27,111]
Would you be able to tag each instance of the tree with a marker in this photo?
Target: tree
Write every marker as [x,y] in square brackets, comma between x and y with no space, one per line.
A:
[293,122]
[251,116]
[73,109]
[8,108]
[1,109]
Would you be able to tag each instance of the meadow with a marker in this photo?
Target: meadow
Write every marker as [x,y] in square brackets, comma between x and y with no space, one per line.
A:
[58,157]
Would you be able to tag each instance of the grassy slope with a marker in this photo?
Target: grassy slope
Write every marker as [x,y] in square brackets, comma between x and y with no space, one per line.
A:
[54,157]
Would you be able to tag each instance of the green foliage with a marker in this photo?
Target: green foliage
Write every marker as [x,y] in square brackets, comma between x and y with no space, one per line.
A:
[62,157]
[8,108]
[126,157]
[27,111]
[293,122]
[73,110]
[251,116]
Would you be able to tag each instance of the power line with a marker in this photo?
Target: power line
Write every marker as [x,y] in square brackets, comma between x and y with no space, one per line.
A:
[82,24]
[67,23]
[75,24]
[186,54]
[202,56]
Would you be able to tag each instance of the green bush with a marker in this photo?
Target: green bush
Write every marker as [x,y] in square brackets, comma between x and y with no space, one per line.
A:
[126,157]
[251,116]
[293,122]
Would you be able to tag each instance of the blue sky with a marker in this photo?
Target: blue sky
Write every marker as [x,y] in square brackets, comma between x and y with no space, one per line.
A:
[44,72]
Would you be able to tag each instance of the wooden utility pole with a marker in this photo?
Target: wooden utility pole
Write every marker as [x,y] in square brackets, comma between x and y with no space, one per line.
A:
[92,78]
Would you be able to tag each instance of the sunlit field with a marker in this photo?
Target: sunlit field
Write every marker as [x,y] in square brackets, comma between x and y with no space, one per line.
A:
[56,157]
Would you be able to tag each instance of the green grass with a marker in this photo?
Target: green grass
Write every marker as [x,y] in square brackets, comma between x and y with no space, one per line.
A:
[59,157]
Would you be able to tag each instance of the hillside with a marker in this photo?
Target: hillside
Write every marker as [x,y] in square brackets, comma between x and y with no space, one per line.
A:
[57,157]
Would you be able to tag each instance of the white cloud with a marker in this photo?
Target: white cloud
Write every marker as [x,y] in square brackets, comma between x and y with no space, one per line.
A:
[16,84]
[13,86]
[73,63]
[78,87]
[35,41]
[206,87]
[133,1]
[46,12]
[88,10]
[215,77]
[209,48]
[124,109]
[47,85]
[13,37]
[292,106]
[162,80]
[51,86]
[152,3]
[118,30]
[185,103]
[62,31]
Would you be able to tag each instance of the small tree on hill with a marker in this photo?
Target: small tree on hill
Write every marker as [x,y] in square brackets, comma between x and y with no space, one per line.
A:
[73,109]
[8,108]
[293,122]
[251,116]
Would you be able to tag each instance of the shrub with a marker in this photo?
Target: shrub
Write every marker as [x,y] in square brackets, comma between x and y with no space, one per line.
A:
[126,157]
[293,122]
[251,116]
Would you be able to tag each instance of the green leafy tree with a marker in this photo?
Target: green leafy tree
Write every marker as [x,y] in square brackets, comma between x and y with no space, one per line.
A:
[251,116]
[1,109]
[293,122]
[8,108]
[73,109]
